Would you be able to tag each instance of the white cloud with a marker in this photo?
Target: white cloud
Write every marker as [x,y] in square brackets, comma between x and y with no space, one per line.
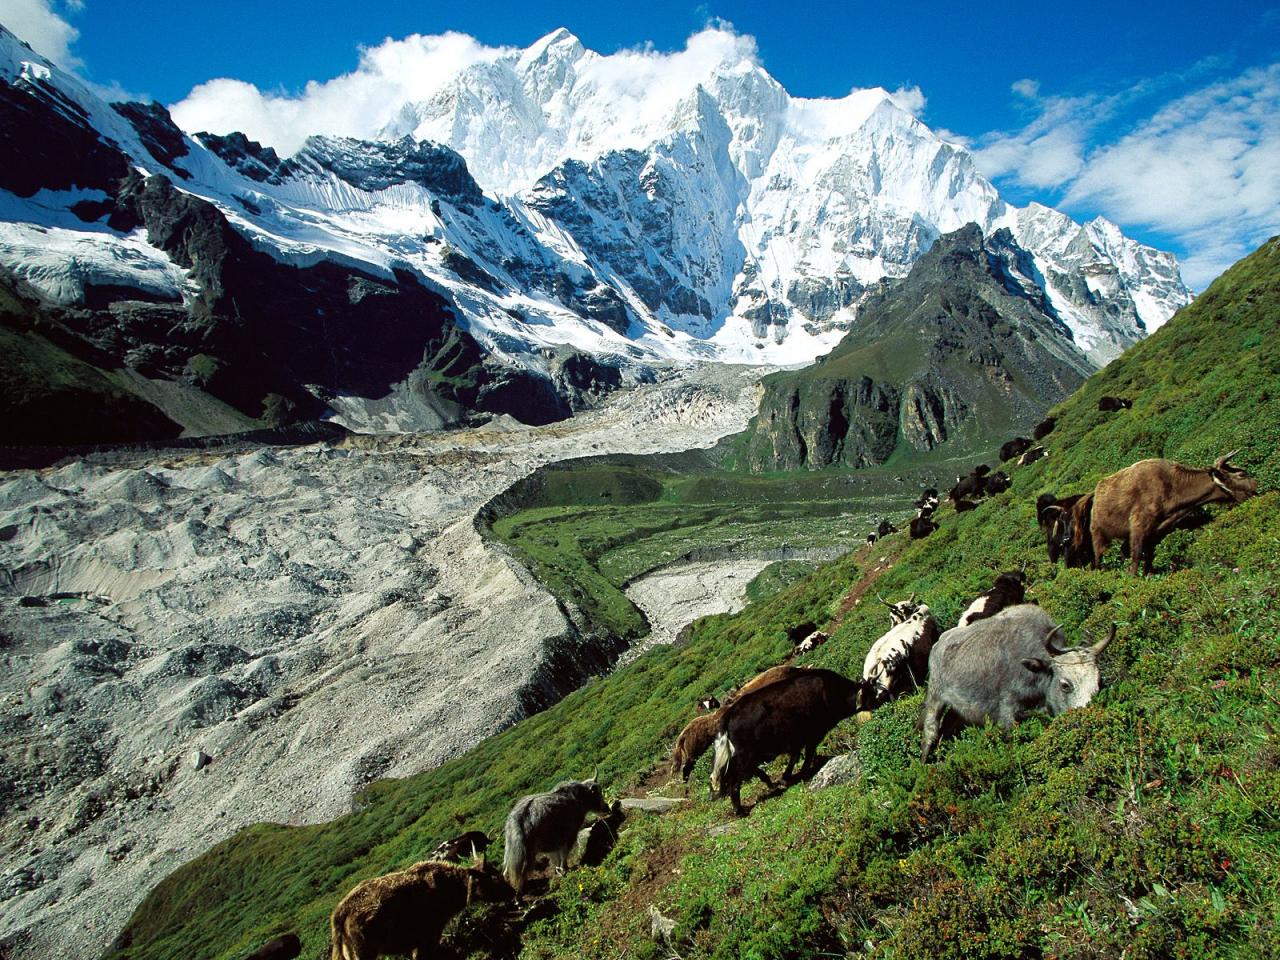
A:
[1026,87]
[910,99]
[356,104]
[1203,170]
[36,22]
[640,84]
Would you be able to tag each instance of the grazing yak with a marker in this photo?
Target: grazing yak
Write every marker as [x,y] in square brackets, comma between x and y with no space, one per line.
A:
[1014,448]
[1005,668]
[963,506]
[1065,524]
[998,482]
[901,611]
[698,735]
[886,527]
[921,527]
[1142,503]
[812,642]
[1032,455]
[900,656]
[470,844]
[1044,428]
[548,823]
[791,716]
[1009,590]
[1112,404]
[708,704]
[406,911]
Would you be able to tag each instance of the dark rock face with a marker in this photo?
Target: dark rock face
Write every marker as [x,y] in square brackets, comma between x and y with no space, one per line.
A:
[46,141]
[158,133]
[961,352]
[584,199]
[248,157]
[372,165]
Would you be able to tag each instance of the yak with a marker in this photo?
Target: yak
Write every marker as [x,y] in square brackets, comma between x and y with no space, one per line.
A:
[1142,503]
[1009,590]
[698,735]
[791,716]
[405,912]
[1044,428]
[1003,669]
[1112,404]
[1014,448]
[548,823]
[472,844]
[899,657]
[921,527]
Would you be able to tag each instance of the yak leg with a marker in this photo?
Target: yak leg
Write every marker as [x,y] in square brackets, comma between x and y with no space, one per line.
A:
[735,795]
[933,711]
[764,778]
[1140,548]
[1100,542]
[810,760]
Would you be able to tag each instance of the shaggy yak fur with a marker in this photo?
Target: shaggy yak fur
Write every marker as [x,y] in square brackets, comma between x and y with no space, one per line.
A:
[406,911]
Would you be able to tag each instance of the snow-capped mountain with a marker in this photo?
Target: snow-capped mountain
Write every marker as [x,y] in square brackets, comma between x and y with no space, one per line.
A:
[557,203]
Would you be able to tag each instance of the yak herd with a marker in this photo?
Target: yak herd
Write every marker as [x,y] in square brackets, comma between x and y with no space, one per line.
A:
[1004,659]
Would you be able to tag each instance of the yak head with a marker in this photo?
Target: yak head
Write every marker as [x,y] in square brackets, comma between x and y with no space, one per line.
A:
[486,883]
[1232,480]
[902,611]
[595,796]
[1070,674]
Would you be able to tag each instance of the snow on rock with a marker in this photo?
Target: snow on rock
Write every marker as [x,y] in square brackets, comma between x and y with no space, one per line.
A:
[641,210]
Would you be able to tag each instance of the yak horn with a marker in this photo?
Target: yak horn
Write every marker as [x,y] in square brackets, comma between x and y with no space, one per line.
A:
[912,598]
[1222,460]
[595,774]
[1049,644]
[1101,645]
[883,600]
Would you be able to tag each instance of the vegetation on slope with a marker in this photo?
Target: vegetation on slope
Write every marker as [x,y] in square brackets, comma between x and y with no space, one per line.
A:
[960,355]
[592,527]
[1145,823]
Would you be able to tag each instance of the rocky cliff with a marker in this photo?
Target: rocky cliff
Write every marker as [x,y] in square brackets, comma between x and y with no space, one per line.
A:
[962,353]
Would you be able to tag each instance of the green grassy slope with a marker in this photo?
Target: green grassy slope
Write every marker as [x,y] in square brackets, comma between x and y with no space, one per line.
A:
[594,527]
[1146,823]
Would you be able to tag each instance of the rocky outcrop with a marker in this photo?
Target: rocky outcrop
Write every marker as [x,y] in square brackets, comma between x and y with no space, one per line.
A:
[963,352]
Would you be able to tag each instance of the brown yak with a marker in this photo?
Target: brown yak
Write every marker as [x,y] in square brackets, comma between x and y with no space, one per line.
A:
[696,738]
[1138,504]
[405,912]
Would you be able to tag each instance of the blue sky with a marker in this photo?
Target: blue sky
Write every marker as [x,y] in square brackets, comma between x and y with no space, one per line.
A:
[1165,119]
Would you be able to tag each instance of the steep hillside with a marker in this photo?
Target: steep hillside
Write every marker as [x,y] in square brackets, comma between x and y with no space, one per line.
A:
[1144,823]
[962,354]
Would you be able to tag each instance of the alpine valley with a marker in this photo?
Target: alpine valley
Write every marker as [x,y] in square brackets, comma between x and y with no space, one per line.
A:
[353,487]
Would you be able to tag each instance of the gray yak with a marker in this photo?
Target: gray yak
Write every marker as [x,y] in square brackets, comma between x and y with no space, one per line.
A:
[1004,668]
[1141,503]
[791,716]
[548,823]
[405,912]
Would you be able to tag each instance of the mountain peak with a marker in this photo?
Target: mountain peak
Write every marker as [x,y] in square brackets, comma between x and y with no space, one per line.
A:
[559,42]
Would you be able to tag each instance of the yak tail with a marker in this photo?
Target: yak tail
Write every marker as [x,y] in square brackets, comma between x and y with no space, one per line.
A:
[514,855]
[720,765]
[341,949]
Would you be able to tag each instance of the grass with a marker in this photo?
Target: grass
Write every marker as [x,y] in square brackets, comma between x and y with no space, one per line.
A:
[588,529]
[1144,825]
